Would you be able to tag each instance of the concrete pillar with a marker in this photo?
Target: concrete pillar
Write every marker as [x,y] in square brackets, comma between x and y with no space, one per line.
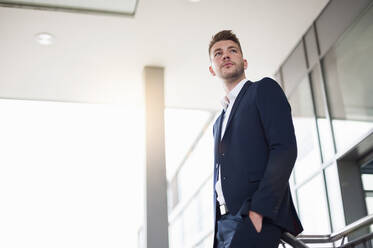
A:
[156,217]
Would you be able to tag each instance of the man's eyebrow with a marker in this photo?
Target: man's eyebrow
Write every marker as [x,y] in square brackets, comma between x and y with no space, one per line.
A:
[217,49]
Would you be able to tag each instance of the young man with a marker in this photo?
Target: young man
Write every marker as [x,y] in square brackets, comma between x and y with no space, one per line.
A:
[255,152]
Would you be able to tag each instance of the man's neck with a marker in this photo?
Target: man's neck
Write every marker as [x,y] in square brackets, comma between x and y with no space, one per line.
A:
[229,84]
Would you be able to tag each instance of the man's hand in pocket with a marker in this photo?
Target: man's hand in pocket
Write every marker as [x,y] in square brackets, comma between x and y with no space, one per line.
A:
[257,220]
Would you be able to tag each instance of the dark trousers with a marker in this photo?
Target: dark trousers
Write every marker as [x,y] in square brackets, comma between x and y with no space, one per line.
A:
[239,232]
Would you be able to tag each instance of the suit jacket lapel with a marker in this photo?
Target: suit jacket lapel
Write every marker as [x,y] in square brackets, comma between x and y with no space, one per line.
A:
[219,123]
[217,136]
[236,103]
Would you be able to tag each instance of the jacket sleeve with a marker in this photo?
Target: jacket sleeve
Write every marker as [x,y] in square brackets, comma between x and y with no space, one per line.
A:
[275,114]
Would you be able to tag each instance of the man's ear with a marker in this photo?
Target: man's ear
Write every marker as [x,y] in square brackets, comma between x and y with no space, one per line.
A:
[245,64]
[212,71]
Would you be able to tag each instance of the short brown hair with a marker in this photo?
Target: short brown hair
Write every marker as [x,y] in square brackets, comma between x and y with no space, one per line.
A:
[224,35]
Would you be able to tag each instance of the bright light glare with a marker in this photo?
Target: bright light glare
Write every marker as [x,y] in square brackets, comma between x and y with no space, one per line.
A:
[71,175]
[182,127]
[349,132]
[44,38]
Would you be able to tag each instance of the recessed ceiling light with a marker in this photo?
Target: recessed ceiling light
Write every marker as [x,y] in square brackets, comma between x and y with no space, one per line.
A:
[44,38]
[194,1]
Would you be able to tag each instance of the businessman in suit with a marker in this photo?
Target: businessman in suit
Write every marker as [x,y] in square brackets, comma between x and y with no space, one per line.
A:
[255,152]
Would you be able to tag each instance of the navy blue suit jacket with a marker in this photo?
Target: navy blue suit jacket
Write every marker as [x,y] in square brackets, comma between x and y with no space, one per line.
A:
[257,154]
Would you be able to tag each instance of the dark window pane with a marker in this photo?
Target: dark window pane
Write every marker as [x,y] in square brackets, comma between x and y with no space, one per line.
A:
[294,68]
[335,19]
[348,72]
[311,47]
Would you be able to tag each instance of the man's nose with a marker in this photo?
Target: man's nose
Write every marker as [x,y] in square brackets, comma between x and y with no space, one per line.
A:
[226,56]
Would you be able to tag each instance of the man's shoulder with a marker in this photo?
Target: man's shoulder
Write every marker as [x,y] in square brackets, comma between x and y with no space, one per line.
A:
[267,82]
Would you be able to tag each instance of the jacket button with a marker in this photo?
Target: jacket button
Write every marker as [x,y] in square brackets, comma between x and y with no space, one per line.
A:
[222,154]
[224,178]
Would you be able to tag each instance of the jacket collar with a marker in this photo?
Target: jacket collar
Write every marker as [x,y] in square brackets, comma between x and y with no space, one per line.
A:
[236,103]
[232,95]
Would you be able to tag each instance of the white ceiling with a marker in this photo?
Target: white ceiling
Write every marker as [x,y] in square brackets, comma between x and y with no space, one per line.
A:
[118,6]
[97,58]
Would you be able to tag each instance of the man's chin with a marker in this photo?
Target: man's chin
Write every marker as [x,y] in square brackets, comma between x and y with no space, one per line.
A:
[230,76]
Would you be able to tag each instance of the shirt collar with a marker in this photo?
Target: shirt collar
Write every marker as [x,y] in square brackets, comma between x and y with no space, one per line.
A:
[232,95]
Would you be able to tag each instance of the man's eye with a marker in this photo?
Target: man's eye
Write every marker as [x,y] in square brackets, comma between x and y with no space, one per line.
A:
[234,50]
[218,53]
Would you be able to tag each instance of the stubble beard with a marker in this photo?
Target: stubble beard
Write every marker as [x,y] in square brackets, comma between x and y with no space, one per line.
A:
[234,75]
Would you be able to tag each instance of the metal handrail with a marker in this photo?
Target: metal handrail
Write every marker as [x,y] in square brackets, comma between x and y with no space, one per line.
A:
[358,241]
[293,241]
[301,240]
[365,221]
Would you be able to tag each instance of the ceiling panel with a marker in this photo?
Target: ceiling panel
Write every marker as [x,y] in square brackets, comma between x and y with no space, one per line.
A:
[100,58]
[126,7]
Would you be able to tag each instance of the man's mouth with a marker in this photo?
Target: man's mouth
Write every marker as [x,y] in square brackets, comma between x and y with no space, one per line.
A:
[227,64]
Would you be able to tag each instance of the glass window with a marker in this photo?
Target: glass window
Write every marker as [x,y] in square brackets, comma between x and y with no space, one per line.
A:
[198,216]
[348,73]
[141,237]
[367,180]
[325,131]
[202,221]
[335,197]
[182,128]
[172,194]
[190,223]
[313,208]
[292,189]
[194,188]
[198,166]
[206,211]
[320,104]
[332,23]
[176,233]
[205,243]
[67,172]
[369,202]
[294,68]
[311,47]
[308,160]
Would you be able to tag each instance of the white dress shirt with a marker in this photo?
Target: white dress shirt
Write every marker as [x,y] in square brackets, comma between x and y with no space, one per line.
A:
[227,103]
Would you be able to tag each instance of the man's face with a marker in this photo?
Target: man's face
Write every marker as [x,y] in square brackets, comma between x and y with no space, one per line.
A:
[226,60]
